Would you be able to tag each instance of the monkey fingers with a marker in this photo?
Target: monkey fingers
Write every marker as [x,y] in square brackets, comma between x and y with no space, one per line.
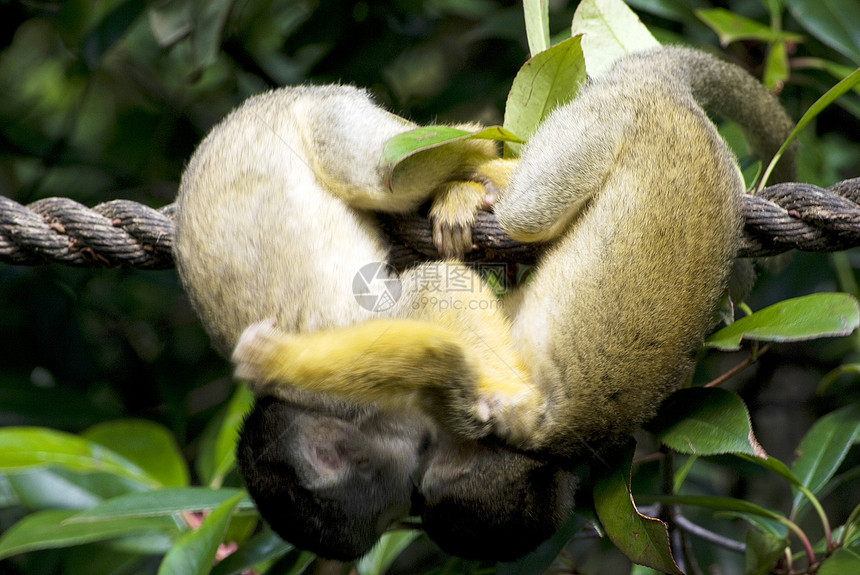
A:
[514,413]
[453,215]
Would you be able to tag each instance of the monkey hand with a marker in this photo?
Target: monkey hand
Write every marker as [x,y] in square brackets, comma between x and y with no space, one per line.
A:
[453,215]
[255,352]
[515,415]
[456,204]
[502,402]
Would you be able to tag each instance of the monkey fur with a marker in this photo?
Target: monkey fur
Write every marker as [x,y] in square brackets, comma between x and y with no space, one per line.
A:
[630,183]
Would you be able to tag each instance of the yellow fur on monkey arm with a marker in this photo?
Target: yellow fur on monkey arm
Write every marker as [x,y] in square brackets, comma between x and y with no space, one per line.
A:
[375,361]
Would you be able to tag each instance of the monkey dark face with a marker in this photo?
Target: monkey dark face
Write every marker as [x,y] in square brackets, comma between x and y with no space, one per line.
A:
[323,483]
[333,481]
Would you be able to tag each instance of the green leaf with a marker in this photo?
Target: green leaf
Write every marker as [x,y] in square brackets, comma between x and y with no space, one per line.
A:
[610,30]
[536,14]
[169,22]
[772,464]
[765,525]
[300,561]
[833,22]
[705,421]
[823,450]
[718,504]
[147,444]
[264,546]
[194,553]
[644,540]
[113,27]
[836,373]
[47,489]
[731,27]
[209,18]
[825,100]
[841,562]
[763,549]
[777,69]
[47,530]
[23,448]
[798,319]
[218,446]
[549,80]
[386,550]
[406,145]
[160,502]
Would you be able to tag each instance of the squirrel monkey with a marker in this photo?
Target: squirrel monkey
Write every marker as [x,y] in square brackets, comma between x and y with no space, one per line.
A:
[273,222]
[630,183]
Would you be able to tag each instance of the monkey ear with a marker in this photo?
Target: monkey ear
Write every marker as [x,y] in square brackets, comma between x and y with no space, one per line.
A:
[333,448]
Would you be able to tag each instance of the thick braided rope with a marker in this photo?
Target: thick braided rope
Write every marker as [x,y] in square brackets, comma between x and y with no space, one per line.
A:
[123,233]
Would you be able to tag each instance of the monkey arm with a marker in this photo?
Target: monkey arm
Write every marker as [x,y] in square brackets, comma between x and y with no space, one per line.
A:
[348,362]
[395,364]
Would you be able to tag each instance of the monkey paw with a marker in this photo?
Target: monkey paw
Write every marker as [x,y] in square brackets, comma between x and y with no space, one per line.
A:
[453,215]
[516,418]
[254,352]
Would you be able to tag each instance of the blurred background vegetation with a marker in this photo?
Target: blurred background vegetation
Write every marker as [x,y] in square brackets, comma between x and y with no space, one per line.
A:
[105,100]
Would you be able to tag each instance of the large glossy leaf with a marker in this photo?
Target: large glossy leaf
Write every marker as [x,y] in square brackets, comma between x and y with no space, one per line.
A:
[159,502]
[404,146]
[48,529]
[644,540]
[194,552]
[24,448]
[833,22]
[798,319]
[147,444]
[610,30]
[841,562]
[547,81]
[705,421]
[217,449]
[824,448]
[731,27]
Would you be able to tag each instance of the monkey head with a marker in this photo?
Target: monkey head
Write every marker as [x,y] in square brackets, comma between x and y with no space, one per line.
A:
[332,478]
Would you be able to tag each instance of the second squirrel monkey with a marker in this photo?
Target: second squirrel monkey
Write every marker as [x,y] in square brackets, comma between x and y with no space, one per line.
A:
[630,182]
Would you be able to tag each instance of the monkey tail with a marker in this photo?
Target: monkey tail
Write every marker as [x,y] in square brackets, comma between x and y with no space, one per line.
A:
[728,91]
